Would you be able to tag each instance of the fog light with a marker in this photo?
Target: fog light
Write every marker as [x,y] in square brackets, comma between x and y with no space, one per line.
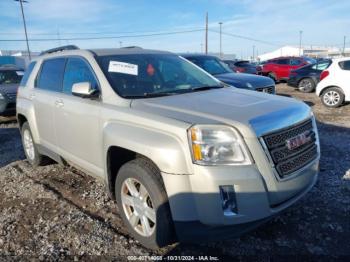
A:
[228,197]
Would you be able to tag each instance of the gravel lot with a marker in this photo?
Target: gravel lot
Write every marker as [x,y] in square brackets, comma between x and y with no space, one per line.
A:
[59,213]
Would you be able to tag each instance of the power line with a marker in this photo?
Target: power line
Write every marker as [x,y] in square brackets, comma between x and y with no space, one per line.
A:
[103,37]
[245,37]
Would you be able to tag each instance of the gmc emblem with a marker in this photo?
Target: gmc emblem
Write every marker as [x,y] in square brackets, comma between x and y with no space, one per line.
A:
[299,140]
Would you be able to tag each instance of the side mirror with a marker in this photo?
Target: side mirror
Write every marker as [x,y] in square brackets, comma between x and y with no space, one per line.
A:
[84,90]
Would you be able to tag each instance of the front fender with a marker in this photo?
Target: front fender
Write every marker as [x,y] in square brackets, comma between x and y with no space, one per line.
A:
[169,151]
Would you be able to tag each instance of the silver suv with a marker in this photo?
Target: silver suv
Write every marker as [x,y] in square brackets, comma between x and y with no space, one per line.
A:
[185,157]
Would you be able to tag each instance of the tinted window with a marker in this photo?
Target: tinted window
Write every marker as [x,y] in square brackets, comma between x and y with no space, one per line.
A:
[10,76]
[345,65]
[295,62]
[144,75]
[282,61]
[321,65]
[211,64]
[77,70]
[27,74]
[51,75]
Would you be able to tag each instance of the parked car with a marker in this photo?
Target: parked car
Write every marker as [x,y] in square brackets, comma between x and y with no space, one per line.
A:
[10,77]
[306,78]
[334,85]
[184,156]
[279,68]
[242,66]
[221,71]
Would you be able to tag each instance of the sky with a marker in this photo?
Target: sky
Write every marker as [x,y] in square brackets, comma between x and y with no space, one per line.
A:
[264,24]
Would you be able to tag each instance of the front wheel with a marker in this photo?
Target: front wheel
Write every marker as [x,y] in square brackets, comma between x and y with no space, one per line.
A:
[30,149]
[332,97]
[143,203]
[306,85]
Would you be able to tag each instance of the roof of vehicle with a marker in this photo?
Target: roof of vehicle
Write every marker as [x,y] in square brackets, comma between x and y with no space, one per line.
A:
[10,68]
[71,50]
[196,55]
[340,59]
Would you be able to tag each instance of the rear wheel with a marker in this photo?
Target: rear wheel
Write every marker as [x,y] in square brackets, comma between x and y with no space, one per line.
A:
[143,203]
[306,85]
[332,97]
[30,149]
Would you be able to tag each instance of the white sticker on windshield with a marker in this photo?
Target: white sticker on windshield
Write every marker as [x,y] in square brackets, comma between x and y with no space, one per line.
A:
[124,68]
[19,73]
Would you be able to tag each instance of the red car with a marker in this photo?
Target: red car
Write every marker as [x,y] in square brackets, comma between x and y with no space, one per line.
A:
[279,68]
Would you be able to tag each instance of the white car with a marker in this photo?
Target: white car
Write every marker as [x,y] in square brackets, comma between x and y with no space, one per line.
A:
[334,85]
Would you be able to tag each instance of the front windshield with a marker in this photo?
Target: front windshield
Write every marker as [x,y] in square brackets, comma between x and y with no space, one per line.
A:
[211,64]
[146,75]
[10,77]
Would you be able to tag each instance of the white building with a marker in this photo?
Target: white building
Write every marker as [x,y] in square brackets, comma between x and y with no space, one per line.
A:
[311,51]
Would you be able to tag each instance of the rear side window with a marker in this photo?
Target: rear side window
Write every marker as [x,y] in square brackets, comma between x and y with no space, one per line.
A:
[27,74]
[282,61]
[295,62]
[345,65]
[51,75]
[77,70]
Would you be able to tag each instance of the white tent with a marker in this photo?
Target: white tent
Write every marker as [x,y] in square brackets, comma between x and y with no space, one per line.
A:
[283,51]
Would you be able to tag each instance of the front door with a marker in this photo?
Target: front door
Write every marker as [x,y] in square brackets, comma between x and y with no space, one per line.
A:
[77,120]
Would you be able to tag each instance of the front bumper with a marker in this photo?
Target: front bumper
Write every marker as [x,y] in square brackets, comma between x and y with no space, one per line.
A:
[196,203]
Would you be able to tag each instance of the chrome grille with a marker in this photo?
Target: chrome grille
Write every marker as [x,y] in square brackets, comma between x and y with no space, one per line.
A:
[285,160]
[269,89]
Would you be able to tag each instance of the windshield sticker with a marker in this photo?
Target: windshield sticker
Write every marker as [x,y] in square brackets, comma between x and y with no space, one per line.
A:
[20,73]
[124,68]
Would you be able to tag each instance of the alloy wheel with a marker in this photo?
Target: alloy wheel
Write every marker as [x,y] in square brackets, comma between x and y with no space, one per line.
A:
[138,207]
[28,144]
[331,98]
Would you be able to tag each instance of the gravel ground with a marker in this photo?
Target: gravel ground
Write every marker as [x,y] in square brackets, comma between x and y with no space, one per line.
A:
[58,213]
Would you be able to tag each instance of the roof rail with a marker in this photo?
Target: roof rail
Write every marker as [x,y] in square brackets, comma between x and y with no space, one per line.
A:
[59,49]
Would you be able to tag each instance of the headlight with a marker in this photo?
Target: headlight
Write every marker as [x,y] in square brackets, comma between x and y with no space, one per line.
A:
[217,145]
[1,96]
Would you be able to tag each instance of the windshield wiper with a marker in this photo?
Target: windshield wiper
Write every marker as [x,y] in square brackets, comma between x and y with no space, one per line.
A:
[150,95]
[203,88]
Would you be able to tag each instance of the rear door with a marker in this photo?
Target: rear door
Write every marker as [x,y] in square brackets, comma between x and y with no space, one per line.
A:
[77,119]
[283,68]
[48,86]
[344,78]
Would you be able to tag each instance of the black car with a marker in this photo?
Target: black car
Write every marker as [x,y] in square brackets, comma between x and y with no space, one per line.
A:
[222,71]
[242,66]
[10,77]
[306,78]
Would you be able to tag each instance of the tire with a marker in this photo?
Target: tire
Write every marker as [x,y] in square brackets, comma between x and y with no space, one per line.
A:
[145,178]
[30,150]
[306,85]
[332,97]
[272,76]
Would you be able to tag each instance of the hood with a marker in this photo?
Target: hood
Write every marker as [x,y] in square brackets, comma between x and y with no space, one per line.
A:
[246,81]
[8,88]
[246,110]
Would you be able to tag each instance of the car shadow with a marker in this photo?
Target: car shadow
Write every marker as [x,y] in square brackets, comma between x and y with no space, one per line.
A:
[10,145]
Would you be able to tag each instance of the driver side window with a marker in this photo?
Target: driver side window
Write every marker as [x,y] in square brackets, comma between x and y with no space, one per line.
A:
[77,70]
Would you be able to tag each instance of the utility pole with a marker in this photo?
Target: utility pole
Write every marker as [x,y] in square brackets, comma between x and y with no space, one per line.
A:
[206,34]
[24,24]
[344,45]
[300,36]
[220,23]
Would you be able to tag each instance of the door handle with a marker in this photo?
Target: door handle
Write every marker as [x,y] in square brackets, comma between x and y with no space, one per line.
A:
[59,103]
